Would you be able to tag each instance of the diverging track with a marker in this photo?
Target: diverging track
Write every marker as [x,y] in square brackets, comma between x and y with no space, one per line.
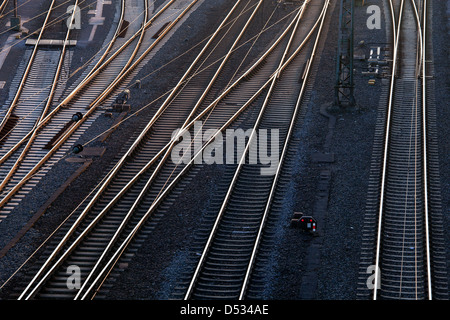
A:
[30,155]
[231,240]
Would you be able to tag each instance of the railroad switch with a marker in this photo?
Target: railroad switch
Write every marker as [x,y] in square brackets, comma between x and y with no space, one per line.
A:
[117,107]
[307,223]
[16,23]
[123,97]
[77,116]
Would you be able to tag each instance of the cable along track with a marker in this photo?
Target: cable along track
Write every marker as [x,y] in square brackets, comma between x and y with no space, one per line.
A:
[56,132]
[230,244]
[110,212]
[34,95]
[22,145]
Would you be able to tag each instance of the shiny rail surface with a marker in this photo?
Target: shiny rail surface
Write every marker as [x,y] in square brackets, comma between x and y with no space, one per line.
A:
[119,208]
[115,65]
[403,266]
[180,14]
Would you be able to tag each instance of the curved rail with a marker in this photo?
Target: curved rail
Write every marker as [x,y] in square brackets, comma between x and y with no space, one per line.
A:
[281,161]
[91,203]
[96,69]
[125,243]
[2,6]
[157,169]
[163,193]
[273,184]
[130,65]
[105,271]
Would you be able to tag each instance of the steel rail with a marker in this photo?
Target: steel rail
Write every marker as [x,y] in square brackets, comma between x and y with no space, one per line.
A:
[282,157]
[422,69]
[424,143]
[110,264]
[388,122]
[2,7]
[34,32]
[116,167]
[422,61]
[226,93]
[151,162]
[394,32]
[112,173]
[99,66]
[47,104]
[161,163]
[27,70]
[100,184]
[124,244]
[49,24]
[141,31]
[241,163]
[156,157]
[90,110]
[142,56]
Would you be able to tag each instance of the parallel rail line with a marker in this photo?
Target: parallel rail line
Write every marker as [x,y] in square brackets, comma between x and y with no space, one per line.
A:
[25,131]
[403,266]
[49,99]
[80,96]
[98,236]
[10,110]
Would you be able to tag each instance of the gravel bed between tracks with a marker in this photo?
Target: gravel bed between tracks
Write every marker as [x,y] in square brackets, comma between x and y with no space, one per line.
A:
[156,265]
[441,32]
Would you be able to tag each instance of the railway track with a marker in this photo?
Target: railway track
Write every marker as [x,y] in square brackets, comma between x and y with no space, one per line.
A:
[100,233]
[36,89]
[54,135]
[230,242]
[54,14]
[9,116]
[124,196]
[39,74]
[3,6]
[405,251]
